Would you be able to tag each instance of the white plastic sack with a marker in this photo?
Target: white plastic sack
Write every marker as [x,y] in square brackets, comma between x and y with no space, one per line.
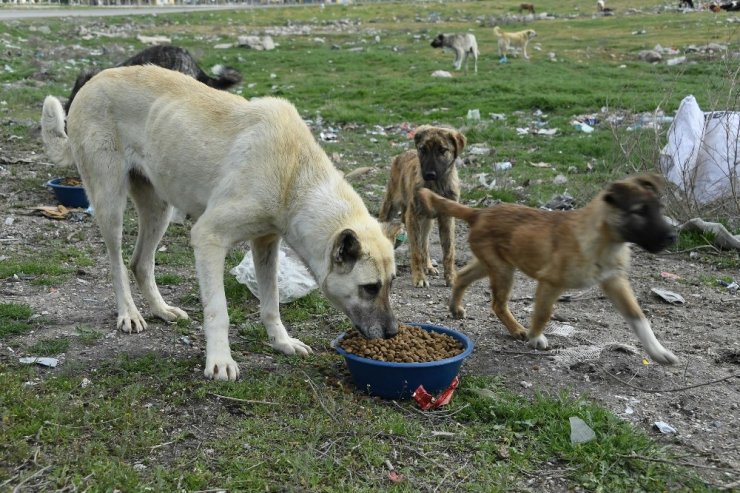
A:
[294,280]
[702,155]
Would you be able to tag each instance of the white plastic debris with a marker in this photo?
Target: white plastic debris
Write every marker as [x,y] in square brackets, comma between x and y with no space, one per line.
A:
[664,427]
[40,360]
[580,432]
[669,296]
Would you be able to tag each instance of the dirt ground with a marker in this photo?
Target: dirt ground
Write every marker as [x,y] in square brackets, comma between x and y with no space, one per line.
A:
[607,366]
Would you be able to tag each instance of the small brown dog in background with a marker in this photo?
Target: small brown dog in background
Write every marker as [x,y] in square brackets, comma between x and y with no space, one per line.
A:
[529,7]
[519,39]
[431,165]
[563,250]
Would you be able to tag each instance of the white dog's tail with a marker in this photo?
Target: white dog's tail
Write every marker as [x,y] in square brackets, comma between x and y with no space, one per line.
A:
[53,133]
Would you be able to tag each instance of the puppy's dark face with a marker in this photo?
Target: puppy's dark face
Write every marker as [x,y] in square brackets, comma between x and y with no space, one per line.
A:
[638,214]
[437,149]
[439,41]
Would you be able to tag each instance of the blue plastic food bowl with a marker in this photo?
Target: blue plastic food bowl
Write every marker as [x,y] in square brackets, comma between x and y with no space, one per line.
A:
[400,380]
[69,196]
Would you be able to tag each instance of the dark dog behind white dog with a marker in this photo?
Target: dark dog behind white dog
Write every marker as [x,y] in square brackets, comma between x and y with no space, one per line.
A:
[243,170]
[169,57]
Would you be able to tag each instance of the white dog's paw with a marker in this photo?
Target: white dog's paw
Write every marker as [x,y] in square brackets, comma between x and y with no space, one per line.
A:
[170,313]
[131,321]
[539,342]
[221,367]
[291,346]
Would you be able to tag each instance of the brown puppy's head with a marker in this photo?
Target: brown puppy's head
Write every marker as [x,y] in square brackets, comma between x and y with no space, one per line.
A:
[639,217]
[439,41]
[437,149]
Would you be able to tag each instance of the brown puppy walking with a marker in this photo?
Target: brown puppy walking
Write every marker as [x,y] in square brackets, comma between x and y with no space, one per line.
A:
[432,166]
[564,250]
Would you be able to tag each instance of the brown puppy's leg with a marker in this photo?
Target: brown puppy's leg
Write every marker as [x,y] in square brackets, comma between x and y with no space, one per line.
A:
[418,229]
[446,226]
[502,277]
[544,299]
[465,277]
[619,291]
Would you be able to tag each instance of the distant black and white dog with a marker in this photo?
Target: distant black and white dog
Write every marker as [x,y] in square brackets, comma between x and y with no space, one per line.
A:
[463,45]
[170,57]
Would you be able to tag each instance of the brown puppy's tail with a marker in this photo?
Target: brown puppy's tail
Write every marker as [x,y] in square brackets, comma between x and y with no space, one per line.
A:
[435,204]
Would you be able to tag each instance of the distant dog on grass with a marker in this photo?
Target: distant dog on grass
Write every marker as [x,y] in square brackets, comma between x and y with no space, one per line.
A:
[526,7]
[563,250]
[170,57]
[431,165]
[507,40]
[463,45]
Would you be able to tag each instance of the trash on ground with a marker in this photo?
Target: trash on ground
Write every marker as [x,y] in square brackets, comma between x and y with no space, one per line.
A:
[701,155]
[664,427]
[541,164]
[56,211]
[294,280]
[497,116]
[722,237]
[479,149]
[560,202]
[328,136]
[670,275]
[427,401]
[732,286]
[39,360]
[358,172]
[669,296]
[442,73]
[561,179]
[474,115]
[502,166]
[580,432]
[582,126]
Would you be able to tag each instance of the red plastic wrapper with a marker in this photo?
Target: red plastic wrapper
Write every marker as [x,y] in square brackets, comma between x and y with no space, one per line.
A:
[427,401]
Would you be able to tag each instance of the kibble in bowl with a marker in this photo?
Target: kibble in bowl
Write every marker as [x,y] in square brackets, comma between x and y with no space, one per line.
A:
[436,353]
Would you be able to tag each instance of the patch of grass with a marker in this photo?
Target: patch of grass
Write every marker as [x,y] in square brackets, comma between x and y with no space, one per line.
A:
[87,335]
[169,279]
[14,319]
[57,265]
[127,430]
[49,347]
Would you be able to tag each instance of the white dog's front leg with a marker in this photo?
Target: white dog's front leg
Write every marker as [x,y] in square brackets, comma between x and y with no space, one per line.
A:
[209,262]
[641,327]
[265,254]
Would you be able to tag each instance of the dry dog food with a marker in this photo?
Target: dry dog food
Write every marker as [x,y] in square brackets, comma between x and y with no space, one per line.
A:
[411,345]
[71,182]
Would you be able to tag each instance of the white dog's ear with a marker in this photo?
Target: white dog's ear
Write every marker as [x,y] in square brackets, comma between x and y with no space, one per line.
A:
[346,250]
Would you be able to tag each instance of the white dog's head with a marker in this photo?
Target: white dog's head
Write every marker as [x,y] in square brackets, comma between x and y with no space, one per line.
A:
[361,271]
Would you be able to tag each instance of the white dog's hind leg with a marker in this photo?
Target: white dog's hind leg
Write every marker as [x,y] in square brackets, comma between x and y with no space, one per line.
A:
[210,249]
[154,216]
[265,252]
[109,204]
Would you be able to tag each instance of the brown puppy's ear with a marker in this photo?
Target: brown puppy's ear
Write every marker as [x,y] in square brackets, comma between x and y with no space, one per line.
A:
[460,141]
[618,195]
[419,134]
[346,250]
[652,181]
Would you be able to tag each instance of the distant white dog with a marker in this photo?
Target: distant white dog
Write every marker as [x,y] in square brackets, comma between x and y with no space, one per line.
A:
[463,45]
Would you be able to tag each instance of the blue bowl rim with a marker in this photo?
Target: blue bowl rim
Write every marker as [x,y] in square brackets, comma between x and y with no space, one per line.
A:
[468,343]
[54,183]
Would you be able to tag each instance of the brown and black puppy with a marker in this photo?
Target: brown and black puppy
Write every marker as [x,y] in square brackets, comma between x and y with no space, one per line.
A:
[432,166]
[563,250]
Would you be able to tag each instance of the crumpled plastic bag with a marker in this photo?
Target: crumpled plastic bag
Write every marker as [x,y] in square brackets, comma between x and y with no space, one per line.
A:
[294,280]
[702,154]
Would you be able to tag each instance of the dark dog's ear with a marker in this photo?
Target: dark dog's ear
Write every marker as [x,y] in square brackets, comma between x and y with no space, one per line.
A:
[346,250]
[618,195]
[460,142]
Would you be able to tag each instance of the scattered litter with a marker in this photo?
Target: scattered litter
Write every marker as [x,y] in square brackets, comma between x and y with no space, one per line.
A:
[427,401]
[57,212]
[525,384]
[497,116]
[154,40]
[563,330]
[583,127]
[185,340]
[722,237]
[39,360]
[9,220]
[676,61]
[502,166]
[669,296]
[670,275]
[358,172]
[442,73]
[294,280]
[536,131]
[328,136]
[580,432]
[479,149]
[732,286]
[85,383]
[474,115]
[264,43]
[664,427]
[560,180]
[560,202]
[541,164]
[640,32]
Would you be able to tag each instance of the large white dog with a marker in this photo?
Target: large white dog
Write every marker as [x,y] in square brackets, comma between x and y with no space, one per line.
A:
[243,170]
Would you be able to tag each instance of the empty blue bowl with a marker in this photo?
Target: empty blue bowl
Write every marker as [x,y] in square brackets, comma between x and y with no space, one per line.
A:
[68,196]
[400,380]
